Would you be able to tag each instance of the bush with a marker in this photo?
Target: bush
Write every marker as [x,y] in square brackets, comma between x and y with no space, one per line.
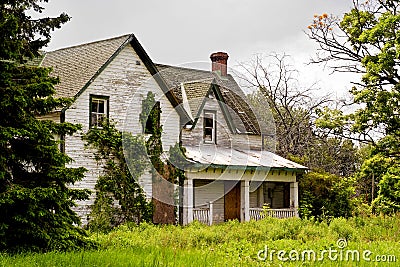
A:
[325,196]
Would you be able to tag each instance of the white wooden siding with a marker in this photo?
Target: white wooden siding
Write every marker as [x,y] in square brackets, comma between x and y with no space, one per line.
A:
[53,116]
[224,136]
[254,199]
[206,191]
[146,182]
[126,84]
[194,137]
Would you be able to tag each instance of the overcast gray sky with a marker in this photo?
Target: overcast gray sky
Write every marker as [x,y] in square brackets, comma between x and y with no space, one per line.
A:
[180,31]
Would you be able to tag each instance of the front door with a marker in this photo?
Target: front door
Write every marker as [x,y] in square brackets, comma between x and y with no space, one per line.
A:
[232,200]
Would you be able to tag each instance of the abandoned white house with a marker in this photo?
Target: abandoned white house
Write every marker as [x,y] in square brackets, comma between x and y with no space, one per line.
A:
[231,176]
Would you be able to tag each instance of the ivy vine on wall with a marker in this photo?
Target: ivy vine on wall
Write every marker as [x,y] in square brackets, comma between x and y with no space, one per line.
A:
[125,158]
[164,197]
[150,121]
[119,197]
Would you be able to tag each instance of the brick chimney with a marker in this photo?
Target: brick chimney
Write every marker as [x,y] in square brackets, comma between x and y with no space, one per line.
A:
[219,62]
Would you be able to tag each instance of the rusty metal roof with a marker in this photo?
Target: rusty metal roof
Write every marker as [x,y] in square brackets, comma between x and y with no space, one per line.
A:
[220,157]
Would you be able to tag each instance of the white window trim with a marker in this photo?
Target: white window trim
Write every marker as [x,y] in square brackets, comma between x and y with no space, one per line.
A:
[104,99]
[213,132]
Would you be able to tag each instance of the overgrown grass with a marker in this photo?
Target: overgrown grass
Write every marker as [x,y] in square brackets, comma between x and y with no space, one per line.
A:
[230,244]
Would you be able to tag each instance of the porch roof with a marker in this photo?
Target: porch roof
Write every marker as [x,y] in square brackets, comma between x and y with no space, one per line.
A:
[218,157]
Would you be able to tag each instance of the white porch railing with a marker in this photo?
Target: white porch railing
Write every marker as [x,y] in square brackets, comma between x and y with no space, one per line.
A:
[204,214]
[201,214]
[260,213]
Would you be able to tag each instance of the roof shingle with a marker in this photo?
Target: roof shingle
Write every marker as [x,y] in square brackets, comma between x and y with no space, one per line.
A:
[75,66]
[241,112]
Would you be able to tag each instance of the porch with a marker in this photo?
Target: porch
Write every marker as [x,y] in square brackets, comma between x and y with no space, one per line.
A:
[231,184]
[218,201]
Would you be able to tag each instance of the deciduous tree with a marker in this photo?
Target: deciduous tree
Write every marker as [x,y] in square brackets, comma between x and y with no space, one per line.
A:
[326,191]
[294,111]
[366,41]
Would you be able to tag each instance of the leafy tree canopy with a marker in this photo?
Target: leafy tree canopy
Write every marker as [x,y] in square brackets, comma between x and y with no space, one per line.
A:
[292,114]
[366,41]
[324,196]
[388,200]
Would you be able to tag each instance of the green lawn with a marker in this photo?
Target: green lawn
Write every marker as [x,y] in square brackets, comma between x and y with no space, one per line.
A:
[236,244]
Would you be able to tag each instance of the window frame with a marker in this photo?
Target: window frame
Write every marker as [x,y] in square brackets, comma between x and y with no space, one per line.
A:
[106,107]
[213,129]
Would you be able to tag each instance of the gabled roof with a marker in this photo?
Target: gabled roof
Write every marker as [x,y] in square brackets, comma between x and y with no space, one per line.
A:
[77,65]
[196,95]
[196,92]
[194,81]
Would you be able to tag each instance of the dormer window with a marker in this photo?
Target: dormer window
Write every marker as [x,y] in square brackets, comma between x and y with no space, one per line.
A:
[98,110]
[209,125]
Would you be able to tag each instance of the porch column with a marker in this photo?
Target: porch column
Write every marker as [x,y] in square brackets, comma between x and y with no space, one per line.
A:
[188,201]
[245,201]
[260,192]
[211,213]
[294,196]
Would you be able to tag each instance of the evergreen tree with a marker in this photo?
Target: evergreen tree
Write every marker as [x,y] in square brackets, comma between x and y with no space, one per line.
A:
[35,201]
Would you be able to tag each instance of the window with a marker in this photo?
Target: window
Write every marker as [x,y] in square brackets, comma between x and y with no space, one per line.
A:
[151,125]
[98,110]
[209,127]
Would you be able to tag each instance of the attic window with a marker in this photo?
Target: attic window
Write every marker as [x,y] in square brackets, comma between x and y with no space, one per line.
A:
[209,125]
[98,110]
